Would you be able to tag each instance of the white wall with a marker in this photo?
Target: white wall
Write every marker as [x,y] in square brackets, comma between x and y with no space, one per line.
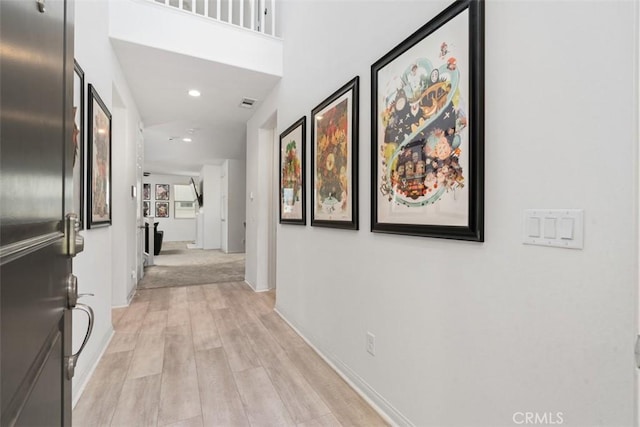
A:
[470,333]
[233,191]
[175,229]
[97,268]
[259,168]
[211,175]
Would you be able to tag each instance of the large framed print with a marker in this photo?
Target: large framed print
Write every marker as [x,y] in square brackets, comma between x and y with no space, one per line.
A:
[292,173]
[334,159]
[99,194]
[78,142]
[427,127]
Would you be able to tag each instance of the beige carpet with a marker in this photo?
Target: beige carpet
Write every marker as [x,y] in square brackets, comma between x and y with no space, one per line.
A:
[178,266]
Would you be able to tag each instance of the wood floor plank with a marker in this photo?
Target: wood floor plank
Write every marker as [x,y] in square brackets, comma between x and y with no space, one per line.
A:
[131,320]
[264,345]
[214,296]
[298,396]
[179,395]
[117,313]
[203,327]
[221,403]
[191,422]
[328,420]
[99,399]
[154,322]
[195,293]
[283,333]
[122,341]
[178,314]
[148,356]
[261,401]
[138,403]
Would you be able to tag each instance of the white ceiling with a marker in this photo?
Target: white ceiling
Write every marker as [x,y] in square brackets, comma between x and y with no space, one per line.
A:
[159,81]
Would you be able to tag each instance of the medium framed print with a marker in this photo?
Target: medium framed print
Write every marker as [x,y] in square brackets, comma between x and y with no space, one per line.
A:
[162,191]
[292,173]
[99,194]
[427,128]
[162,209]
[78,142]
[334,159]
[146,208]
[146,191]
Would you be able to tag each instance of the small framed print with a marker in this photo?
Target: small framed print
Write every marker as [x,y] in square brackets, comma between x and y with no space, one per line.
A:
[334,159]
[427,129]
[146,207]
[292,174]
[162,209]
[162,191]
[99,192]
[146,191]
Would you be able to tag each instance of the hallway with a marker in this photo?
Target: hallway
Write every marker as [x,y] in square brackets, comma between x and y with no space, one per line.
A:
[213,355]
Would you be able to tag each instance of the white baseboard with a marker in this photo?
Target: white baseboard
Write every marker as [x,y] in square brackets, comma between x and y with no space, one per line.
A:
[257,290]
[385,409]
[77,393]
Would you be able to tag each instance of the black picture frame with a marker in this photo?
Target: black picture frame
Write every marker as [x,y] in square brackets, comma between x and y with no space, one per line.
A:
[342,104]
[99,194]
[162,209]
[146,191]
[292,154]
[403,203]
[162,191]
[146,208]
[79,96]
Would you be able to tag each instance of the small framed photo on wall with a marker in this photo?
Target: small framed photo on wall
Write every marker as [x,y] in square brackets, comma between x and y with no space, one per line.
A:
[162,191]
[146,191]
[162,209]
[146,207]
[292,174]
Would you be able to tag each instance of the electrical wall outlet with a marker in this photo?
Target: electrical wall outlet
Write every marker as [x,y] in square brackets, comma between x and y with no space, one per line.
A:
[371,344]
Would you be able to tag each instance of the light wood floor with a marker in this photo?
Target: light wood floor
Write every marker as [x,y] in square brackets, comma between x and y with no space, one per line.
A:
[213,355]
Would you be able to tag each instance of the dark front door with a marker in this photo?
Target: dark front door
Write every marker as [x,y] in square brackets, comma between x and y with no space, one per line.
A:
[36,80]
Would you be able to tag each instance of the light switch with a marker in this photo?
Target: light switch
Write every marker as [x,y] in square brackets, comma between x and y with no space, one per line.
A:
[565,228]
[533,227]
[549,227]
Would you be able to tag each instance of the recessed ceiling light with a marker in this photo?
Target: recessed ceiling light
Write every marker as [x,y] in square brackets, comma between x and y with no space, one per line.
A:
[186,139]
[194,93]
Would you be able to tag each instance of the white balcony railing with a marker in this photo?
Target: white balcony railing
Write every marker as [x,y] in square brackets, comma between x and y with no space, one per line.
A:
[254,15]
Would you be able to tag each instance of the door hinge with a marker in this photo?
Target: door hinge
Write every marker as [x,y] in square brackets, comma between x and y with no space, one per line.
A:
[637,352]
[73,241]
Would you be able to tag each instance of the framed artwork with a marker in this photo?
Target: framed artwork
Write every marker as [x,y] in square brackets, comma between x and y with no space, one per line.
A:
[146,191]
[162,209]
[99,194]
[162,191]
[427,129]
[334,159]
[292,174]
[146,207]
[78,142]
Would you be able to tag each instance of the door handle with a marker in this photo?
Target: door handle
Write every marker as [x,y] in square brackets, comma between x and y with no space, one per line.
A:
[73,359]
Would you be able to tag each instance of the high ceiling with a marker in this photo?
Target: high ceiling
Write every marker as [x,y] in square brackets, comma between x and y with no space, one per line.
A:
[159,82]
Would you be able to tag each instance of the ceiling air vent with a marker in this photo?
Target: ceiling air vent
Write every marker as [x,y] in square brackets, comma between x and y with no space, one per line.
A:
[146,173]
[247,102]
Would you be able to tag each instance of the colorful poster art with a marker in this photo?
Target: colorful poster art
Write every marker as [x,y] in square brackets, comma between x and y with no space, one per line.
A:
[292,174]
[100,161]
[334,168]
[422,142]
[146,208]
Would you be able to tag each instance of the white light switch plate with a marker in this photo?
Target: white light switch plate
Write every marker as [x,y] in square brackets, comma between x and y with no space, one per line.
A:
[562,228]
